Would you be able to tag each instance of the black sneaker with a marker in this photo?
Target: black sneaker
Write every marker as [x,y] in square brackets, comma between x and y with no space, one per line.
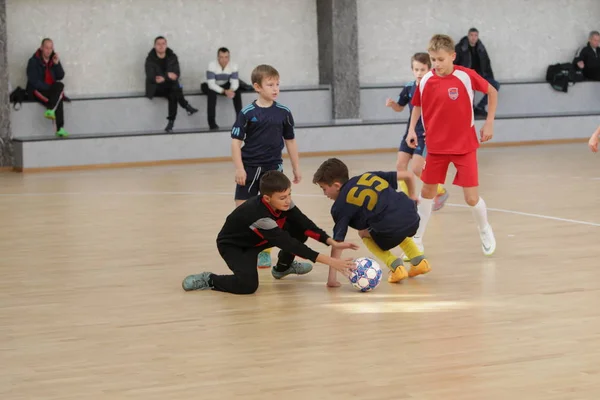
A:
[169,127]
[190,110]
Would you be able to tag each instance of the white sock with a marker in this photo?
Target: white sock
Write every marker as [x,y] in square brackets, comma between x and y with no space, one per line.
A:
[480,214]
[424,209]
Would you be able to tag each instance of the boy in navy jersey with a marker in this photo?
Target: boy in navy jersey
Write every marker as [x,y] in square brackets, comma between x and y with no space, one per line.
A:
[270,219]
[262,127]
[420,64]
[384,217]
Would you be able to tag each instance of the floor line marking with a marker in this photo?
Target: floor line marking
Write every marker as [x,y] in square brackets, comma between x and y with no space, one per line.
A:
[202,193]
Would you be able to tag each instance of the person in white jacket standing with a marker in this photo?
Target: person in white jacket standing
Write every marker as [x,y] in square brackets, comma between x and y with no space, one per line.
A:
[221,79]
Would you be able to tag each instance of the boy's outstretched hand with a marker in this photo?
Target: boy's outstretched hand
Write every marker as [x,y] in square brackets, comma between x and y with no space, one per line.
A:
[344,245]
[345,267]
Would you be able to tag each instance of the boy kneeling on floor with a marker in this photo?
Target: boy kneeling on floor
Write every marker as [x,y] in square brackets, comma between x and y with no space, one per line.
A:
[270,219]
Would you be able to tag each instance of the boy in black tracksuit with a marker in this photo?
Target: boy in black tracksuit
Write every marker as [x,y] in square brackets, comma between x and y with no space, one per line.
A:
[264,221]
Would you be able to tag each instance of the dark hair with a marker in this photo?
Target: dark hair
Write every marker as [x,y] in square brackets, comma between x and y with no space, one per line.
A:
[274,182]
[158,38]
[44,40]
[423,58]
[473,30]
[331,171]
[261,72]
[223,50]
[593,33]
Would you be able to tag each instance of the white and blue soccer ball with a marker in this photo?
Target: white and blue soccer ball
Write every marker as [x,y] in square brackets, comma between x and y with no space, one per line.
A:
[367,274]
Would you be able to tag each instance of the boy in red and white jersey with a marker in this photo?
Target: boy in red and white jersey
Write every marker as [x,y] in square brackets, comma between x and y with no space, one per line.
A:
[444,101]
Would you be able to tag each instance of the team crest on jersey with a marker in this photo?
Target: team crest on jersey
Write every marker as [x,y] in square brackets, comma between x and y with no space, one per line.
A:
[453,93]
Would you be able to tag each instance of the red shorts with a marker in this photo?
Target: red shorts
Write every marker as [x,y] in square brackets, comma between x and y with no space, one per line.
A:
[436,168]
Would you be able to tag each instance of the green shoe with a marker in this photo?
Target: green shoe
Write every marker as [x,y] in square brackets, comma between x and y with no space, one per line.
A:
[199,281]
[62,133]
[50,114]
[298,268]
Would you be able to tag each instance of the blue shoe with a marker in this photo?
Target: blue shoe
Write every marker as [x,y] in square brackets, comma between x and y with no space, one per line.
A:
[298,268]
[264,259]
[440,200]
[197,282]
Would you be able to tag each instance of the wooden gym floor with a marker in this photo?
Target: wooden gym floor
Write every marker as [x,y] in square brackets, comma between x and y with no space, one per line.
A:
[91,305]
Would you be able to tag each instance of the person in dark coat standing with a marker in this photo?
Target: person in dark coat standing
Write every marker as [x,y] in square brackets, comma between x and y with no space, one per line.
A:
[471,53]
[162,79]
[44,71]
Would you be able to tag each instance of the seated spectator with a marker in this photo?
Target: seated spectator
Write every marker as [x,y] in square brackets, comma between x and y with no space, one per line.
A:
[162,79]
[221,78]
[471,53]
[588,59]
[44,72]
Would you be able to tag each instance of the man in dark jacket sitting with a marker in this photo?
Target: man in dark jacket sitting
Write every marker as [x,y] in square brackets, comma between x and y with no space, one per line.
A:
[162,79]
[44,71]
[588,59]
[471,53]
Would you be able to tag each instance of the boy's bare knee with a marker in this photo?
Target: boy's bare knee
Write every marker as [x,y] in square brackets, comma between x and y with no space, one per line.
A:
[471,199]
[417,170]
[429,191]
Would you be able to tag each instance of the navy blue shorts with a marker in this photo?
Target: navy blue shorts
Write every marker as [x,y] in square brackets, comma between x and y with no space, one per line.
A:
[387,241]
[253,175]
[420,147]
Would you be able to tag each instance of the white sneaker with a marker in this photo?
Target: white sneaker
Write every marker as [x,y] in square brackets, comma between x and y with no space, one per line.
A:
[488,241]
[419,243]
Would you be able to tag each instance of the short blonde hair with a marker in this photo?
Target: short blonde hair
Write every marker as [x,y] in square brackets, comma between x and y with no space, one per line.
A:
[263,71]
[441,42]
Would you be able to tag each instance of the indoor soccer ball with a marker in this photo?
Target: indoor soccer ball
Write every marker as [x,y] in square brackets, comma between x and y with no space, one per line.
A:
[367,275]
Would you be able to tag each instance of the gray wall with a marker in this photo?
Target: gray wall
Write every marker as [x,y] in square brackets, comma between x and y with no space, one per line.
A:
[103,44]
[338,52]
[522,37]
[5,134]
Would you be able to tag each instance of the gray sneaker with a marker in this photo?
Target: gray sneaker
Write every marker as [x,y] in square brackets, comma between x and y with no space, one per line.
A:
[298,268]
[197,282]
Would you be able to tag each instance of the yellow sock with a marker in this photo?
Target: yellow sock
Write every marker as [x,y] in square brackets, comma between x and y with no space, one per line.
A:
[411,250]
[440,189]
[385,255]
[403,187]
